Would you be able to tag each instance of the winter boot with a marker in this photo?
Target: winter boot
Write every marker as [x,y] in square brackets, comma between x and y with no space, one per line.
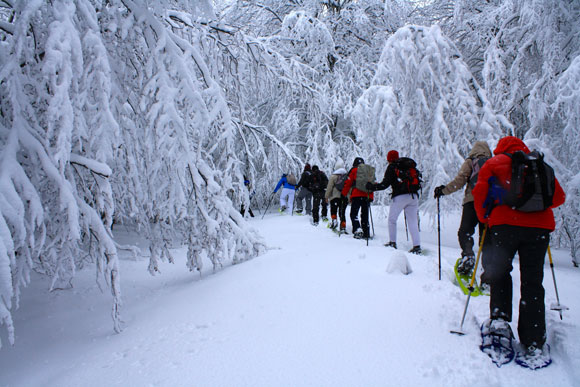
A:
[496,341]
[358,234]
[533,357]
[416,250]
[343,227]
[466,265]
[391,244]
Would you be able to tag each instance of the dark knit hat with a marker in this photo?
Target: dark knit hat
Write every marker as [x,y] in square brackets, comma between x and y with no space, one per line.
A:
[307,167]
[393,155]
[314,168]
[358,161]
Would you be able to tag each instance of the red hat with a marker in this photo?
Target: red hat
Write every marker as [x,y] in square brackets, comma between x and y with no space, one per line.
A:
[393,155]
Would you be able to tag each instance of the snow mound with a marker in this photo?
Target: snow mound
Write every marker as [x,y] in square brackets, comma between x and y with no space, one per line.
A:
[399,263]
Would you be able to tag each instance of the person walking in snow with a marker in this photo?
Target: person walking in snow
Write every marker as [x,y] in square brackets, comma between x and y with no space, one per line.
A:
[513,231]
[359,201]
[405,197]
[248,185]
[318,183]
[304,194]
[467,176]
[288,182]
[334,197]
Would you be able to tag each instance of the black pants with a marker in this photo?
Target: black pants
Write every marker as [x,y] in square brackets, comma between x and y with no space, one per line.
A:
[531,245]
[316,204]
[467,228]
[362,204]
[465,233]
[338,205]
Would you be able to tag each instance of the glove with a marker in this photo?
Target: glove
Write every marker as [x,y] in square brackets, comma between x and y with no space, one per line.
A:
[439,191]
[370,186]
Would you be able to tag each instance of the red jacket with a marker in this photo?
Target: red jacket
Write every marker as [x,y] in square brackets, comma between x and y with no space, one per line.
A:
[500,166]
[350,182]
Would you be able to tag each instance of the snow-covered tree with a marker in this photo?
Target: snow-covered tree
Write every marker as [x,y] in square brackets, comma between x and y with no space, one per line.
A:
[425,103]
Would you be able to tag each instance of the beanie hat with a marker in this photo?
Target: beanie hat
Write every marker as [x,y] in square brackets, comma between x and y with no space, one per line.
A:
[393,155]
[339,164]
[358,161]
[315,168]
[307,167]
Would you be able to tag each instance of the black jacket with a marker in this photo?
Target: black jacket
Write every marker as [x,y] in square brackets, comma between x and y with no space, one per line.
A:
[391,180]
[304,180]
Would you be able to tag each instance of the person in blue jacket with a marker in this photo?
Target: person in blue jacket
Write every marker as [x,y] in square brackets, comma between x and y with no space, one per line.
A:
[288,182]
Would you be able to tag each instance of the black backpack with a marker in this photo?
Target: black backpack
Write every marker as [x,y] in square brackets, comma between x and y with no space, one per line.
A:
[532,183]
[476,165]
[408,176]
[318,181]
[339,184]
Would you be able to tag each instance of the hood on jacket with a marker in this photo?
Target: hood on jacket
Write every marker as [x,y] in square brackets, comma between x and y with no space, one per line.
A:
[339,164]
[339,171]
[510,144]
[480,149]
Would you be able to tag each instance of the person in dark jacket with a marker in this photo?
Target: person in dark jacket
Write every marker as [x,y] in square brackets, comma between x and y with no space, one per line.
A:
[318,183]
[513,231]
[469,221]
[359,202]
[304,194]
[403,200]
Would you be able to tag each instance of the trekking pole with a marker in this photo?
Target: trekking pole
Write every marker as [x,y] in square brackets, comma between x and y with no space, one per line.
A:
[369,213]
[269,203]
[558,307]
[471,288]
[406,229]
[438,237]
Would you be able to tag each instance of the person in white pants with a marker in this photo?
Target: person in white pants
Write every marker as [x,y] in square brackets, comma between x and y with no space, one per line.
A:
[405,197]
[288,191]
[410,204]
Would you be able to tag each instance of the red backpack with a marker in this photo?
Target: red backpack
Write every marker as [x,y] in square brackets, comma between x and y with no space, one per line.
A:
[408,176]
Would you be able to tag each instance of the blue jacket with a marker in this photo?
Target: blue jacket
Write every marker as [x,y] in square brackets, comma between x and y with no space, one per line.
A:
[285,182]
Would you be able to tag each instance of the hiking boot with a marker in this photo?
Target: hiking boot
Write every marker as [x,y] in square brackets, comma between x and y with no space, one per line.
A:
[283,208]
[466,265]
[333,224]
[391,244]
[315,223]
[299,212]
[416,250]
[358,234]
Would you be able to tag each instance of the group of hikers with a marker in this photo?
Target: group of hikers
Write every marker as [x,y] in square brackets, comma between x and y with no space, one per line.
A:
[509,195]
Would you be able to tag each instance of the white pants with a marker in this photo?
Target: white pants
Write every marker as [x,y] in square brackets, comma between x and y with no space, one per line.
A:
[409,203]
[287,198]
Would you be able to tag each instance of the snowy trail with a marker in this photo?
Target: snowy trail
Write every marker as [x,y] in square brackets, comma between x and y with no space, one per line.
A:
[316,310]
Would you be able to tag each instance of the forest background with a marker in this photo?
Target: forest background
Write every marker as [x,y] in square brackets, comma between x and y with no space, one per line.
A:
[149,114]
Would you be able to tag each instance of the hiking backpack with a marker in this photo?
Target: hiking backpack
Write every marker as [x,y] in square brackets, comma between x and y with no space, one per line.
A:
[364,174]
[291,179]
[339,184]
[318,181]
[476,164]
[408,175]
[532,183]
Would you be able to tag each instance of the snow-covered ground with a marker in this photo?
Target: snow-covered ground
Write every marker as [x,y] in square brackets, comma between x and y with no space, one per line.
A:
[315,310]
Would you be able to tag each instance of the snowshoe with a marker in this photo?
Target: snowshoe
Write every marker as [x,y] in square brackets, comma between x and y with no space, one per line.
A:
[497,341]
[298,212]
[534,358]
[463,281]
[325,219]
[333,224]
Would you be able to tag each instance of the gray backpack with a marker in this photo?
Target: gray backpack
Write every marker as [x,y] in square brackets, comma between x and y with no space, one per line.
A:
[364,174]
[291,179]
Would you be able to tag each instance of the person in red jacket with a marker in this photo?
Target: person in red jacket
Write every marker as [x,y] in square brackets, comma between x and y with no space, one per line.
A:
[511,232]
[359,201]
